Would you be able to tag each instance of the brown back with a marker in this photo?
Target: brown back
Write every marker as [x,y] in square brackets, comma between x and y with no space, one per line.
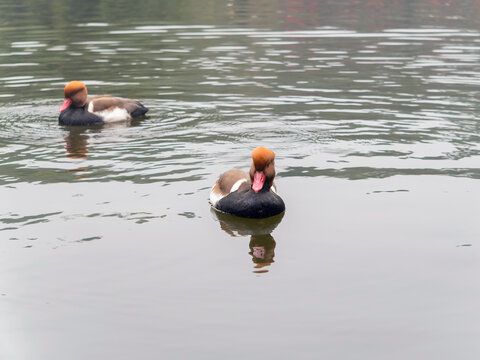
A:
[104,102]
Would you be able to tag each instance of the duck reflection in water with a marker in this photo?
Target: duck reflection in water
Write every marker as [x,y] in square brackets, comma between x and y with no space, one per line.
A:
[76,144]
[76,139]
[262,249]
[262,244]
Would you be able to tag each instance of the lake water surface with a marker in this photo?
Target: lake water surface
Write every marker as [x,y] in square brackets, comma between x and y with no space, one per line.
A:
[109,248]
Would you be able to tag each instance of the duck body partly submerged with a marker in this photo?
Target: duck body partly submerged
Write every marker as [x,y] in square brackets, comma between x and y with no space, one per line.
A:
[247,203]
[252,194]
[83,110]
[79,116]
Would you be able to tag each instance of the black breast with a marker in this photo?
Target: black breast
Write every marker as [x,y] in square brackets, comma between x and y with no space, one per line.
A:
[79,116]
[249,204]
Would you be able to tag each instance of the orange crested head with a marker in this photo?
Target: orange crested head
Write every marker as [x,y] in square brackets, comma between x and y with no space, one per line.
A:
[262,157]
[73,87]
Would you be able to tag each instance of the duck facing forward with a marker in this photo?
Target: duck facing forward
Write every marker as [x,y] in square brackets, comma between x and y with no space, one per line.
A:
[81,109]
[252,194]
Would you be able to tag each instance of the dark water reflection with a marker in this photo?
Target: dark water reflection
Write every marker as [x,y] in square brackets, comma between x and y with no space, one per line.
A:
[262,244]
[262,249]
[77,137]
[76,144]
[110,250]
[237,226]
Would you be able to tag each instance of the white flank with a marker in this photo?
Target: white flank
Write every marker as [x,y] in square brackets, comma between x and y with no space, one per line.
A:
[216,197]
[109,116]
[114,115]
[237,185]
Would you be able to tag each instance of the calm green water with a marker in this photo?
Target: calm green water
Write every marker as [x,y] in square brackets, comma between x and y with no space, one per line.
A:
[109,249]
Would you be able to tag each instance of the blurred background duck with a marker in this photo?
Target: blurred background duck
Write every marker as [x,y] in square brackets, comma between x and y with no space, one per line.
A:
[80,109]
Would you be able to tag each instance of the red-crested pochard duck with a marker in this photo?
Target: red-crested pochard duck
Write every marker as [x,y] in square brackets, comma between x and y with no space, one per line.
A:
[81,109]
[252,194]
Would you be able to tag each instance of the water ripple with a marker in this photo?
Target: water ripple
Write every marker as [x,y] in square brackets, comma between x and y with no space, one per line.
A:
[217,92]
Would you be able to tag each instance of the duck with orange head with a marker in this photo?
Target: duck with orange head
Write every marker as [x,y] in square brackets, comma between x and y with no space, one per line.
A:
[252,194]
[80,109]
